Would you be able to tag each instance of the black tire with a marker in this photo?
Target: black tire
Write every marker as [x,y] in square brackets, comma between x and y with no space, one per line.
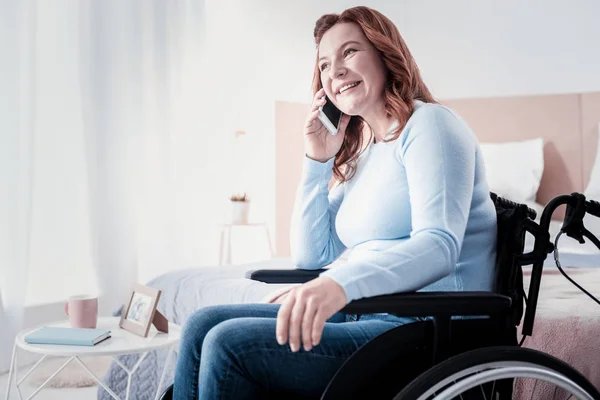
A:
[167,394]
[486,355]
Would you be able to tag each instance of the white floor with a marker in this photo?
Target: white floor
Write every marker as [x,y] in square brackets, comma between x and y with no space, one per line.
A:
[47,393]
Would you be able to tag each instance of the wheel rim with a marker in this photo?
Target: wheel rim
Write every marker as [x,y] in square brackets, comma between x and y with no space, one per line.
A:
[470,378]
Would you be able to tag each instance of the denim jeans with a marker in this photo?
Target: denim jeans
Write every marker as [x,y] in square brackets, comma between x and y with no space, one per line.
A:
[230,352]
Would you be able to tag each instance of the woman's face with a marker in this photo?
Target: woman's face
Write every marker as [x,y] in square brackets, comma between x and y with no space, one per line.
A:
[352,71]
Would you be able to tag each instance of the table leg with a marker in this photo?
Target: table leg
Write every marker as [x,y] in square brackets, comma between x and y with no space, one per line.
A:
[57,372]
[221,246]
[16,374]
[269,241]
[130,374]
[50,378]
[12,377]
[104,386]
[11,371]
[162,376]
[229,232]
[19,382]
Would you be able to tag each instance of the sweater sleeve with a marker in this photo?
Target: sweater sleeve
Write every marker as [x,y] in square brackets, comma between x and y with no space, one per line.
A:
[313,238]
[438,152]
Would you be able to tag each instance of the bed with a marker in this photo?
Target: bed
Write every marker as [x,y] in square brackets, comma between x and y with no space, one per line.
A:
[567,322]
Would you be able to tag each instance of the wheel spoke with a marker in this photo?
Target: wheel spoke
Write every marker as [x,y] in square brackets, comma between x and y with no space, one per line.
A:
[492,393]
[483,392]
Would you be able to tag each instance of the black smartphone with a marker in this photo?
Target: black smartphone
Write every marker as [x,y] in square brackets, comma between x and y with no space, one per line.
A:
[330,116]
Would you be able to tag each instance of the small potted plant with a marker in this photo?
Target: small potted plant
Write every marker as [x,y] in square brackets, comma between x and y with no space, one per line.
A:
[240,207]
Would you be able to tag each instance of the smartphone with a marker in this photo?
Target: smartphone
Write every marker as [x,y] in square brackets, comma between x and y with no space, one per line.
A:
[330,116]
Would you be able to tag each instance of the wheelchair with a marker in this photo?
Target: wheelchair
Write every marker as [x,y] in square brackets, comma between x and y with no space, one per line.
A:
[450,356]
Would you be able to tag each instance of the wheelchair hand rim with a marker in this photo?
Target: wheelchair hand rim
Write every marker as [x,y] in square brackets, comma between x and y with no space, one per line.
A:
[504,372]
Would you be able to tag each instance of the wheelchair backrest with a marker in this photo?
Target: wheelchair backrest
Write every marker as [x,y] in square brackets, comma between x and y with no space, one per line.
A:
[508,275]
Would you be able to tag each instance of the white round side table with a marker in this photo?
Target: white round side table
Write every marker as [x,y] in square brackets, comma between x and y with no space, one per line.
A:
[121,342]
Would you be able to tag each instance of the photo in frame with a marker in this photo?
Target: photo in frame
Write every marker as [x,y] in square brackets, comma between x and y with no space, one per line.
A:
[140,311]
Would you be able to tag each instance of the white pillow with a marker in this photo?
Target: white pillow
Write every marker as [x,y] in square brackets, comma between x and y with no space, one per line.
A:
[514,169]
[593,187]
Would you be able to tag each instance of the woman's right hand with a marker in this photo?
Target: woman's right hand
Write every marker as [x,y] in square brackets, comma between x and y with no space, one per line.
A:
[319,144]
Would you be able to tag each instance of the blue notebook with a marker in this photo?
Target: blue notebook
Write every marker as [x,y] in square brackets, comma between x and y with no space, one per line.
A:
[67,336]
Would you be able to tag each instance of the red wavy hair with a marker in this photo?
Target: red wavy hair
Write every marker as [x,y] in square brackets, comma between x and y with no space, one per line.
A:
[404,83]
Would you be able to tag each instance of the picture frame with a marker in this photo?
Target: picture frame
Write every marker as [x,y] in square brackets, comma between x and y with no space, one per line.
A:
[140,311]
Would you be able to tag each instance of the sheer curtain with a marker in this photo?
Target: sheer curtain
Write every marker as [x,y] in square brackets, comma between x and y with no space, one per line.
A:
[17,130]
[113,157]
[146,127]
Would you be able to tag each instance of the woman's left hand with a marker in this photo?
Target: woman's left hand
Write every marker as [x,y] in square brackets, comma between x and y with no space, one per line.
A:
[305,310]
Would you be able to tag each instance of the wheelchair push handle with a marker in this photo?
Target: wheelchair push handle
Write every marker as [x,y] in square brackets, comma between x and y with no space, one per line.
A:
[592,207]
[577,207]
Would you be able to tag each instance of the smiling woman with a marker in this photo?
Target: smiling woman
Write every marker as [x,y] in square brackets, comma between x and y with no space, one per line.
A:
[413,205]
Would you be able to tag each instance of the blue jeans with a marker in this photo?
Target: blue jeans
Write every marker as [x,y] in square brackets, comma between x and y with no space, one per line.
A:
[230,352]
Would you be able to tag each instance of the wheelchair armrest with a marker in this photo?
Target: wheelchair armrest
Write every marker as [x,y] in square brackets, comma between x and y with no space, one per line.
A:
[284,275]
[413,304]
[424,304]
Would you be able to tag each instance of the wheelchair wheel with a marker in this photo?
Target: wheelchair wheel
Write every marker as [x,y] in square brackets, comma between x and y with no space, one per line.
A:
[494,372]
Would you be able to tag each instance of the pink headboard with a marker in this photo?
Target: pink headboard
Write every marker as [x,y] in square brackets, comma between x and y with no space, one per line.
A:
[568,123]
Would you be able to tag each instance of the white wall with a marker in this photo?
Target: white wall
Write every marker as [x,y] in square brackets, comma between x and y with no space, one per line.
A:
[493,48]
[465,48]
[263,50]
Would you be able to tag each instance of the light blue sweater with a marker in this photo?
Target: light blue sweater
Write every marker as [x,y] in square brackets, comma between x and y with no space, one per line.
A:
[417,214]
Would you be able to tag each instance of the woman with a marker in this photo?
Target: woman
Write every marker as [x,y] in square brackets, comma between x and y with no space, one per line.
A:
[412,203]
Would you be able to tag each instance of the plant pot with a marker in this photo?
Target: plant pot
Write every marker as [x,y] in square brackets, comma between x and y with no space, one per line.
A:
[239,212]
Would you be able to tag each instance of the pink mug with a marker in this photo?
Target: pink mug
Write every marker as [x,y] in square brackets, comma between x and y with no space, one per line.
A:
[82,311]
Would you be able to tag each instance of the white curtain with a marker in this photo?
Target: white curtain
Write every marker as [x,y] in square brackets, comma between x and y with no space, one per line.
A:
[113,155]
[17,130]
